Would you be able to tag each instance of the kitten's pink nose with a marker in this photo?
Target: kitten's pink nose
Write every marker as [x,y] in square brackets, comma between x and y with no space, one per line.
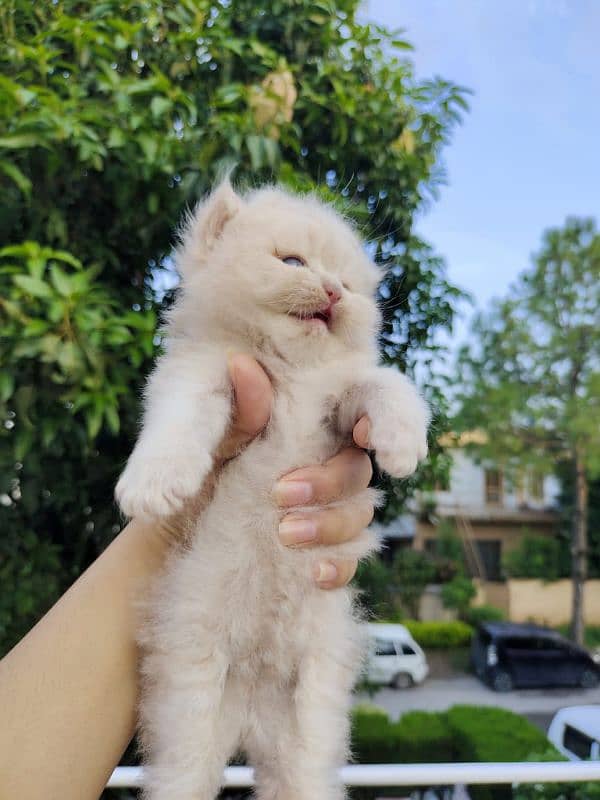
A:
[334,293]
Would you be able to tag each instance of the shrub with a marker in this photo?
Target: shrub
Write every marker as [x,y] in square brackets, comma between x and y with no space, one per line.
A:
[411,571]
[448,552]
[464,733]
[440,635]
[418,737]
[458,593]
[493,734]
[555,791]
[486,613]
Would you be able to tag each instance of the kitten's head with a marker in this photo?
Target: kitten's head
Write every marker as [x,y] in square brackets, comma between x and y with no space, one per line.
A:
[279,269]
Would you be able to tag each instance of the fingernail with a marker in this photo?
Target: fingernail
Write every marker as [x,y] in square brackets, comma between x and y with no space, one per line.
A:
[325,572]
[297,531]
[293,493]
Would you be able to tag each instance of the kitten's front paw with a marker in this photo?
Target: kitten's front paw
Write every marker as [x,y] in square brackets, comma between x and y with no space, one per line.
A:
[159,487]
[398,447]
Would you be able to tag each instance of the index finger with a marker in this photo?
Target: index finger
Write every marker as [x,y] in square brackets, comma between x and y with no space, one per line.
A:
[344,475]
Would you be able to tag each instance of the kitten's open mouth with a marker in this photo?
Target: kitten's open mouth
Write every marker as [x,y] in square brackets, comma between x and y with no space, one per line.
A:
[322,315]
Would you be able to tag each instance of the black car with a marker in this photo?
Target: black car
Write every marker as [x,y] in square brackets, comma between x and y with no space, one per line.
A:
[507,655]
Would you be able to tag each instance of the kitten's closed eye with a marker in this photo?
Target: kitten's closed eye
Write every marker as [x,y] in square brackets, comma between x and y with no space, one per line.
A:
[293,261]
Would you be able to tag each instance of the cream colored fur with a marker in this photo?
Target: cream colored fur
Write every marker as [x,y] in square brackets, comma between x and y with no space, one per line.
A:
[243,650]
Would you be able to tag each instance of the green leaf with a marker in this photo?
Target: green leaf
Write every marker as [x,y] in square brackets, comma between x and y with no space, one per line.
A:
[112,419]
[33,286]
[7,386]
[15,174]
[255,148]
[160,106]
[93,420]
[23,443]
[118,334]
[22,141]
[61,281]
[152,202]
[149,146]
[36,327]
[116,138]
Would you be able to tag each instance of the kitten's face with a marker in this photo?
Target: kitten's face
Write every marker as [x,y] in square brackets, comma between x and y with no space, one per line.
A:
[283,268]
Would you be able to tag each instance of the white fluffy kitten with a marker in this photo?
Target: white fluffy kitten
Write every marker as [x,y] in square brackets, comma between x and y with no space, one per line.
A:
[244,651]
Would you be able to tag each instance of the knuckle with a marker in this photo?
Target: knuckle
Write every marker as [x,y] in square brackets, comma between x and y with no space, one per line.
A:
[331,526]
[331,483]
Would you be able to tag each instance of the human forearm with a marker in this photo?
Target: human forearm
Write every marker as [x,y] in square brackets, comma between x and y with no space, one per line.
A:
[68,691]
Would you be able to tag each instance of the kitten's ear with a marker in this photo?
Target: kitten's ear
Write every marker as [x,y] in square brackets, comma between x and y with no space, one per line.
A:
[206,223]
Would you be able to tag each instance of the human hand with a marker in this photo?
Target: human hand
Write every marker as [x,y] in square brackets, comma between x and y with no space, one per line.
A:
[341,479]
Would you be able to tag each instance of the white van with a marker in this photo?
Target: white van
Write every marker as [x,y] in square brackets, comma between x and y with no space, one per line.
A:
[395,659]
[575,732]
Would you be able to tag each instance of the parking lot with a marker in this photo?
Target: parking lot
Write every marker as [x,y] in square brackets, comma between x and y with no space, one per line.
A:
[438,694]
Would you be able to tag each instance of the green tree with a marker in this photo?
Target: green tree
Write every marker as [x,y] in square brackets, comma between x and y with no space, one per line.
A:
[566,507]
[531,379]
[411,571]
[114,116]
[536,557]
[458,593]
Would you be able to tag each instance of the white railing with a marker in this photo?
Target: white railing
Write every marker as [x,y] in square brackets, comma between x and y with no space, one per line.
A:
[416,774]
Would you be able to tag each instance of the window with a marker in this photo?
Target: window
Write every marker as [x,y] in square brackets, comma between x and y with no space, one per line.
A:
[493,486]
[520,643]
[490,558]
[407,650]
[577,742]
[383,648]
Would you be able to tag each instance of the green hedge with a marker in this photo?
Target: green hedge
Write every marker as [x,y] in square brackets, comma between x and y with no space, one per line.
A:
[487,733]
[485,613]
[464,733]
[418,736]
[440,635]
[493,734]
[555,791]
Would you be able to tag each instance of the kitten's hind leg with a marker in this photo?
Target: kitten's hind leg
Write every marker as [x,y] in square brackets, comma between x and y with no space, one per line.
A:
[190,728]
[301,739]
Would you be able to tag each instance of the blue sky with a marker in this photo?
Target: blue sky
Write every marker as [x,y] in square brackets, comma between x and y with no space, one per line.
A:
[527,155]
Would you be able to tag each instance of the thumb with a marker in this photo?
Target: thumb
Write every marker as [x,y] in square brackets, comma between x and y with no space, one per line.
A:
[253,400]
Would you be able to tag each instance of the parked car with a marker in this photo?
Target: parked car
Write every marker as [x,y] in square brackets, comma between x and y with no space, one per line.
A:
[395,659]
[507,655]
[575,732]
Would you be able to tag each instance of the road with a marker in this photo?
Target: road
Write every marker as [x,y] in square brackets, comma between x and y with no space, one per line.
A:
[438,694]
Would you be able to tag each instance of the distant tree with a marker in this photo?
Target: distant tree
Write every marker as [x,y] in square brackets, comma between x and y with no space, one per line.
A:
[536,557]
[115,116]
[566,508]
[530,376]
[458,593]
[411,571]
